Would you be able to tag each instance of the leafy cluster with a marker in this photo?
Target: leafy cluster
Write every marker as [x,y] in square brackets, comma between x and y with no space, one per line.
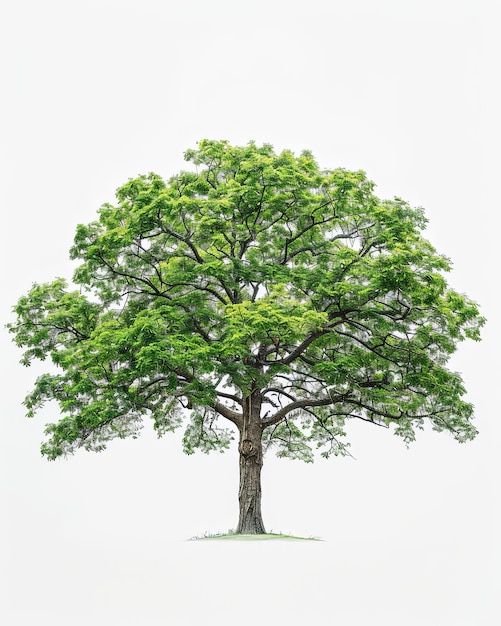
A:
[258,277]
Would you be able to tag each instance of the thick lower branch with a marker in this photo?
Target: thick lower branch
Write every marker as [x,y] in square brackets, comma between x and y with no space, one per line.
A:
[345,398]
[301,404]
[226,412]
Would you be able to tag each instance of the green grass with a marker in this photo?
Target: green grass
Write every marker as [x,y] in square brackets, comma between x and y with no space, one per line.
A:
[232,535]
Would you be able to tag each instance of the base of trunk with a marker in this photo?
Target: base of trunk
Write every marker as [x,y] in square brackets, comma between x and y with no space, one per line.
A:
[251,526]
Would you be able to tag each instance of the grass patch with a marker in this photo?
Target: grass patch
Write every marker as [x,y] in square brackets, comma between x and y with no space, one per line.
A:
[232,535]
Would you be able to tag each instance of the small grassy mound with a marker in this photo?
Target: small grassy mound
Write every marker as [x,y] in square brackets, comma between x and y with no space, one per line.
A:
[233,535]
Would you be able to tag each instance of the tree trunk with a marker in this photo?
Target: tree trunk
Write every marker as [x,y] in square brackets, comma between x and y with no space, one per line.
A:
[251,461]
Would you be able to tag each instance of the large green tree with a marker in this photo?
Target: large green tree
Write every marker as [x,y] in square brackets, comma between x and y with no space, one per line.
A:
[257,292]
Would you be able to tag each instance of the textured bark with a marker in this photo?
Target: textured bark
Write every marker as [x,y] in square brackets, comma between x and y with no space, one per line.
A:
[251,461]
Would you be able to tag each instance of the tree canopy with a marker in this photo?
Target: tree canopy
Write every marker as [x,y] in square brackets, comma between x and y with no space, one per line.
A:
[254,284]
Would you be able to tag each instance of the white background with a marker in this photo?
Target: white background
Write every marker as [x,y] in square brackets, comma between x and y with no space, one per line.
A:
[96,92]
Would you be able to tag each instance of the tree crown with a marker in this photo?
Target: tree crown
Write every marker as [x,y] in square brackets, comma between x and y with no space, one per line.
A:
[258,278]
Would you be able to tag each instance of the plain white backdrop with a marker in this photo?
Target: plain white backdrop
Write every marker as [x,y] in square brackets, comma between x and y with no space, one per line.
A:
[96,92]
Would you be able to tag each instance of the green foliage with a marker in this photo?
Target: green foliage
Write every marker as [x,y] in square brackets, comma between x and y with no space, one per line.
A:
[256,277]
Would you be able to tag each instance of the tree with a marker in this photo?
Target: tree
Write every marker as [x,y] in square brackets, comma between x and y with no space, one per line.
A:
[260,292]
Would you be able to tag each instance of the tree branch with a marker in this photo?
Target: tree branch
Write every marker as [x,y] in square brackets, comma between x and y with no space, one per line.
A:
[230,396]
[301,404]
[226,412]
[297,351]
